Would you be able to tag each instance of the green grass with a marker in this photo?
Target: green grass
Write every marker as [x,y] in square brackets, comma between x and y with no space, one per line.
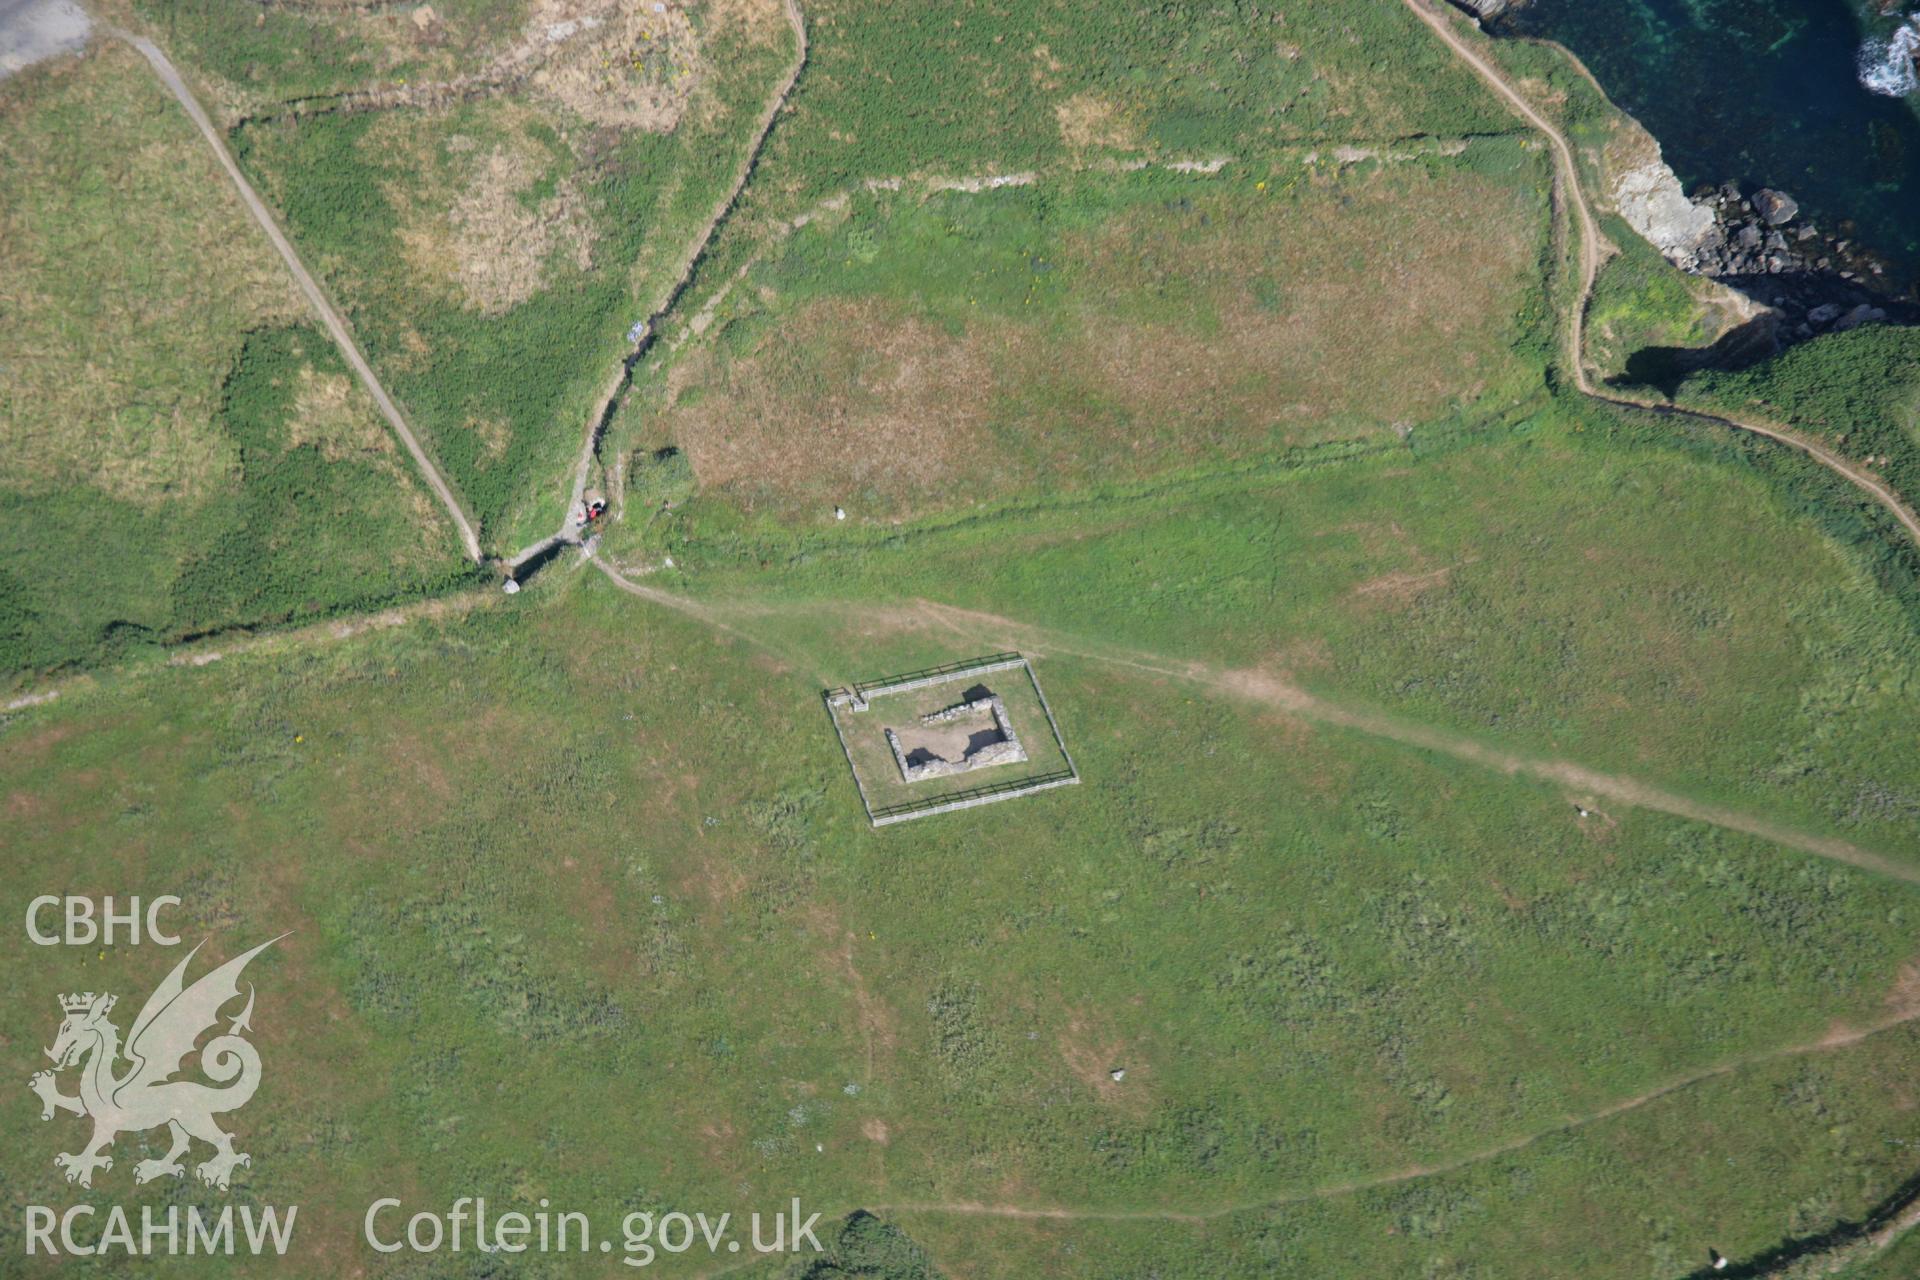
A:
[1320,958]
[584,905]
[1632,1195]
[184,454]
[900,89]
[283,53]
[1550,591]
[917,352]
[503,379]
[1641,301]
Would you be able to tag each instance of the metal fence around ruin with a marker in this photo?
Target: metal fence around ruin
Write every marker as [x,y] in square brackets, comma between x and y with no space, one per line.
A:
[860,694]
[971,797]
[857,697]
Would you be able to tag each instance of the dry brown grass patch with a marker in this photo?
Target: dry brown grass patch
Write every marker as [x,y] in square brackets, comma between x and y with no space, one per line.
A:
[1446,255]
[1237,325]
[891,402]
[621,65]
[334,414]
[482,242]
[1903,998]
[1400,589]
[328,413]
[129,273]
[494,435]
[1088,120]
[879,1026]
[1093,1052]
[761,22]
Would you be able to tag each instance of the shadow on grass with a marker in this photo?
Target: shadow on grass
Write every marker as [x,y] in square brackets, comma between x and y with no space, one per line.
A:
[1841,1234]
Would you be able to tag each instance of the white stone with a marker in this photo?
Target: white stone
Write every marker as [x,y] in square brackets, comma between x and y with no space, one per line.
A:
[1651,200]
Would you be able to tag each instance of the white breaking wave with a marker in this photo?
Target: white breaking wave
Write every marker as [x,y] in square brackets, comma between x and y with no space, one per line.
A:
[1887,66]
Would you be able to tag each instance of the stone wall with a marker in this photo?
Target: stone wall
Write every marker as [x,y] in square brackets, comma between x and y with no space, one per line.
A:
[1006,751]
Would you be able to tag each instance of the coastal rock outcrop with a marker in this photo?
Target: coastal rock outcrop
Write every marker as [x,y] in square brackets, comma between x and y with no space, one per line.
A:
[1650,198]
[1810,279]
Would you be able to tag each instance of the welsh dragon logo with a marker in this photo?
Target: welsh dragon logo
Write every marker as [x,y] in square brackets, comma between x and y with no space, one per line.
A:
[145,1096]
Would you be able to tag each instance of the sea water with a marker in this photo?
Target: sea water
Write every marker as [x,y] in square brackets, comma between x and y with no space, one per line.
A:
[1889,66]
[1818,98]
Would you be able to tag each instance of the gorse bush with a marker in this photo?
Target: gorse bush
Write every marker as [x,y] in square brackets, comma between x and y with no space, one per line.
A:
[306,528]
[866,1248]
[659,477]
[1860,389]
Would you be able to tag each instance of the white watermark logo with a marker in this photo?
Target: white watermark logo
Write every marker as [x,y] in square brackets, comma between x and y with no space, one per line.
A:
[472,1224]
[144,1095]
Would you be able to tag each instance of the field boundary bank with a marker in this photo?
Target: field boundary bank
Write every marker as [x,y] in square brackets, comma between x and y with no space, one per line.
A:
[1430,440]
[609,400]
[423,97]
[1842,1245]
[1590,258]
[1345,153]
[1231,477]
[330,319]
[507,70]
[235,642]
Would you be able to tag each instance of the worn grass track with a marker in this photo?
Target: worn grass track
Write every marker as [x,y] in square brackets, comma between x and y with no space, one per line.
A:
[335,326]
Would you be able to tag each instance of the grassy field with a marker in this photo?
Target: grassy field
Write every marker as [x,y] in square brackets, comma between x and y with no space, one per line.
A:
[1495,846]
[183,453]
[902,89]
[619,849]
[911,353]
[255,60]
[493,255]
[1551,584]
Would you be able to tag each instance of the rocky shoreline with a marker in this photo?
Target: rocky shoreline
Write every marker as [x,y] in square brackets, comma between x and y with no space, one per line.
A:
[1807,279]
[1813,281]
